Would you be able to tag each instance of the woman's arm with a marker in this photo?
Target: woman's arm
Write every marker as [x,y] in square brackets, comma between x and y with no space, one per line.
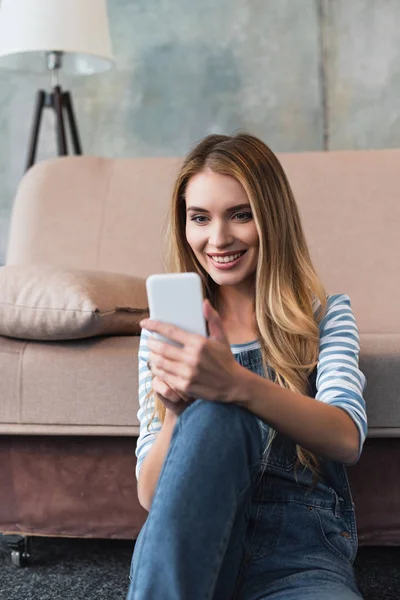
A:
[334,424]
[323,429]
[154,460]
[152,446]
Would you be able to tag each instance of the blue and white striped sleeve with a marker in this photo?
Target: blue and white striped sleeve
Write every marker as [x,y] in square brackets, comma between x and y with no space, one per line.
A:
[146,438]
[339,379]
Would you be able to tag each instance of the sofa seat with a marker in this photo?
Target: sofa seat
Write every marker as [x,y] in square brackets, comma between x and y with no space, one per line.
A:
[89,387]
[380,362]
[80,387]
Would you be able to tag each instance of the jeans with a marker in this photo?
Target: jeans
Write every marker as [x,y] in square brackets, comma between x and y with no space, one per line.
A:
[218,530]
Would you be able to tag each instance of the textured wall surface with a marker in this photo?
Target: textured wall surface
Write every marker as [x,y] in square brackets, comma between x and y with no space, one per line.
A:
[362,73]
[300,74]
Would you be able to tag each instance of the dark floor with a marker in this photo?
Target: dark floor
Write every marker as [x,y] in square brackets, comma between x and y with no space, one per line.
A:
[64,569]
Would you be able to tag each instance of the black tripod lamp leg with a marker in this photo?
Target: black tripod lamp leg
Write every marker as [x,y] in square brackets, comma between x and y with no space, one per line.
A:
[58,107]
[33,140]
[76,142]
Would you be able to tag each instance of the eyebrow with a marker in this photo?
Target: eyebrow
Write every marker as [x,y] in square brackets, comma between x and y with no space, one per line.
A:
[228,210]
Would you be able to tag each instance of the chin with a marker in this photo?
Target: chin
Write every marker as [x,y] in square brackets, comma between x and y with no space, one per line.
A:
[227,278]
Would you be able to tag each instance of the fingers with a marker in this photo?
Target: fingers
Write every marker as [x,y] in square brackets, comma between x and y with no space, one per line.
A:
[169,393]
[172,332]
[164,348]
[163,389]
[166,359]
[164,356]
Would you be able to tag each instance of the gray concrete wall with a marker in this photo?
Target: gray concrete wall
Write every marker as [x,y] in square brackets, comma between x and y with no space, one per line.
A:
[362,73]
[300,74]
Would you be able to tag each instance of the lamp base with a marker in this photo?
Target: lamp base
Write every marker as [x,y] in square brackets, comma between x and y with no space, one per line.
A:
[60,102]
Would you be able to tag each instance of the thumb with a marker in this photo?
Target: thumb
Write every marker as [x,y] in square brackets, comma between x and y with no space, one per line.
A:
[215,326]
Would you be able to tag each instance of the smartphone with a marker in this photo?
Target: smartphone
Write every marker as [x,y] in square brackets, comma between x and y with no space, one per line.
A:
[177,298]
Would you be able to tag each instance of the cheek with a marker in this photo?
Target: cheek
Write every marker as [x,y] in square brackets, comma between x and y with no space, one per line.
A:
[252,238]
[194,238]
[189,236]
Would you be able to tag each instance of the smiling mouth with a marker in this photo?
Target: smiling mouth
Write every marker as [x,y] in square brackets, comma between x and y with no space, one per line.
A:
[227,261]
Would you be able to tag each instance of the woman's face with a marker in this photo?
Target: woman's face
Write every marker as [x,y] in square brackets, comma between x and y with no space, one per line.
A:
[219,222]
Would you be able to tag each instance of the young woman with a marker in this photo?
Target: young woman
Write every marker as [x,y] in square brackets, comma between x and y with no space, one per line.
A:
[245,434]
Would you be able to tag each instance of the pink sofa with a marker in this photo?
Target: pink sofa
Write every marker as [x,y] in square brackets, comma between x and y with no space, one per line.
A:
[68,421]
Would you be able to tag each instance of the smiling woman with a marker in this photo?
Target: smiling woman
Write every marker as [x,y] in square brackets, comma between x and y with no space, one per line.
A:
[225,426]
[223,236]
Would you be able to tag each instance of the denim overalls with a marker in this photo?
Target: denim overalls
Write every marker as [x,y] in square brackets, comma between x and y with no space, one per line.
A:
[227,525]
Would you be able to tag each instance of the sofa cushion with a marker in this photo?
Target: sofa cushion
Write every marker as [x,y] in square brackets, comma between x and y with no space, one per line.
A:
[45,302]
[90,386]
[75,387]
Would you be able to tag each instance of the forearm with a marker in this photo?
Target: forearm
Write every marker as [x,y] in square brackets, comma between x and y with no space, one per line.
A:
[325,430]
[152,464]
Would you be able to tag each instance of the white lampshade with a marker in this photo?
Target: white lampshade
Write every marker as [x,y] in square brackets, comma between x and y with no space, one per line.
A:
[78,28]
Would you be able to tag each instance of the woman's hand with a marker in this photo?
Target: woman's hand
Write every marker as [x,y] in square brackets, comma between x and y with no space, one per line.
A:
[172,401]
[203,367]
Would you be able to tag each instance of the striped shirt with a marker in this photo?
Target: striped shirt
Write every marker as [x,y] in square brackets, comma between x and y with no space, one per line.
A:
[339,380]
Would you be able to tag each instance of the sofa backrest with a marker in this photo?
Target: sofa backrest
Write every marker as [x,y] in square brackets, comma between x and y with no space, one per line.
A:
[109,214]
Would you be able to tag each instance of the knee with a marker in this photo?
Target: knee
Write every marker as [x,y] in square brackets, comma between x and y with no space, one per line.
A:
[225,421]
[212,413]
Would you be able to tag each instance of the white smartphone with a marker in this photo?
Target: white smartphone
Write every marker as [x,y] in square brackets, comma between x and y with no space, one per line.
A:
[177,298]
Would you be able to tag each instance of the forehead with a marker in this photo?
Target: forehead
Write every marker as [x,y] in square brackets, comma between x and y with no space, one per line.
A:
[209,187]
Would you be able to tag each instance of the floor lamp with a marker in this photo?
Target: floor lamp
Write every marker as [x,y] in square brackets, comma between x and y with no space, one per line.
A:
[50,36]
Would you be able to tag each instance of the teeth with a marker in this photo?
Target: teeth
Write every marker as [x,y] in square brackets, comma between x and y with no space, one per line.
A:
[226,259]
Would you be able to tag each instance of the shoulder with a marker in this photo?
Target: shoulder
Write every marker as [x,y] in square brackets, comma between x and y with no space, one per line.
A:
[338,327]
[333,300]
[338,299]
[338,304]
[338,309]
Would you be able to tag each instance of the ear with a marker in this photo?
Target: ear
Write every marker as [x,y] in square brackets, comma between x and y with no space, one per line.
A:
[215,327]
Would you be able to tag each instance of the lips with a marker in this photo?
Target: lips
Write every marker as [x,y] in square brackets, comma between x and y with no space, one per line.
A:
[227,254]
[223,266]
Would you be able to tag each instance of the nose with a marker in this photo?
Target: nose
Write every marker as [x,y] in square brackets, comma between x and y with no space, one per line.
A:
[219,235]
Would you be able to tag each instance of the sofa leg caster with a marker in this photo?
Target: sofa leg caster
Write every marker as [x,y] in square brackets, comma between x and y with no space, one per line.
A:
[20,547]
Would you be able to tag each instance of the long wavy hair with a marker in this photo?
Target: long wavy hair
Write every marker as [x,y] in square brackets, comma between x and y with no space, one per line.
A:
[286,283]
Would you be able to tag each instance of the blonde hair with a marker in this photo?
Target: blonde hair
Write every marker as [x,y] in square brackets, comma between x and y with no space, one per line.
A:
[286,283]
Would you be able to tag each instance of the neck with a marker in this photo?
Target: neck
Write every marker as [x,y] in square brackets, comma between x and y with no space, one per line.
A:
[236,303]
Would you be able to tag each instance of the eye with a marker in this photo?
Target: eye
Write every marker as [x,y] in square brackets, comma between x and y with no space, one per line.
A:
[247,215]
[198,217]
